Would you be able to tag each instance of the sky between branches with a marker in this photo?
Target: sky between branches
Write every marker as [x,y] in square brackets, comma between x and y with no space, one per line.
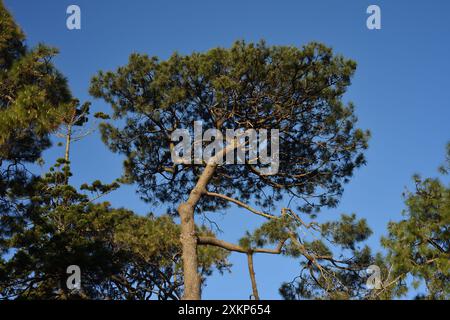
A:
[401,90]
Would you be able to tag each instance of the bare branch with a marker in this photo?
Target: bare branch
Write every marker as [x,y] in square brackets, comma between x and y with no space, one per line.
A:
[241,204]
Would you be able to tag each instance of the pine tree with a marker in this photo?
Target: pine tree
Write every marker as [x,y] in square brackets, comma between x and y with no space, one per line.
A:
[46,224]
[419,244]
[343,277]
[121,255]
[32,92]
[249,86]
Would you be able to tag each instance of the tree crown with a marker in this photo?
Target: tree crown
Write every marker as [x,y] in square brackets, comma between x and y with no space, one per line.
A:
[297,91]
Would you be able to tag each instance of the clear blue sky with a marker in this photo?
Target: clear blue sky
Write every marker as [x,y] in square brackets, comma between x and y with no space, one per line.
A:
[401,90]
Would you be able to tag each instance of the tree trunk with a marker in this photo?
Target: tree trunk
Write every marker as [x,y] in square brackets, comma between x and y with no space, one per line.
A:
[188,237]
[68,141]
[67,151]
[251,271]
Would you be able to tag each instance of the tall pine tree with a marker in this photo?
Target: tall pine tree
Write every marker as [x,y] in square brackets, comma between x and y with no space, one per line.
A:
[248,86]
[46,224]
[32,93]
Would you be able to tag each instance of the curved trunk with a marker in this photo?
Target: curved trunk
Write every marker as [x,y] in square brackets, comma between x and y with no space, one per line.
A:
[188,237]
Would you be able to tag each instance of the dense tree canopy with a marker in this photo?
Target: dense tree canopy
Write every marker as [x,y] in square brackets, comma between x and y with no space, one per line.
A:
[249,86]
[341,271]
[121,255]
[47,224]
[32,92]
[419,245]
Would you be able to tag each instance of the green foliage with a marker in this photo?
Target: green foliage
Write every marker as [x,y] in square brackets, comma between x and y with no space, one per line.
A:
[346,232]
[419,244]
[332,264]
[121,255]
[297,91]
[248,86]
[269,233]
[11,39]
[210,258]
[46,224]
[32,93]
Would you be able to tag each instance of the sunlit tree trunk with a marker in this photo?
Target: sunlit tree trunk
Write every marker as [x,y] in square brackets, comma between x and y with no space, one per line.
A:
[188,237]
